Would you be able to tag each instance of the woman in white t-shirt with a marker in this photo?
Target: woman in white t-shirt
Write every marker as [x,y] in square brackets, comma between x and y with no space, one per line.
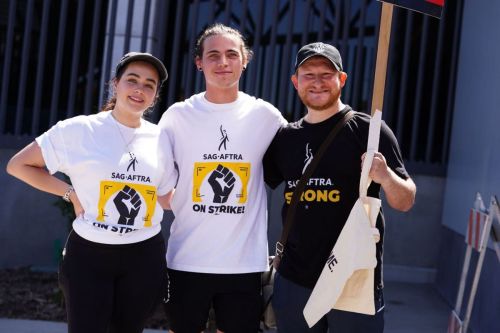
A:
[218,241]
[113,269]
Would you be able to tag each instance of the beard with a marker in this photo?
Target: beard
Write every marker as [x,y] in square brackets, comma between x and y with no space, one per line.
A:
[332,100]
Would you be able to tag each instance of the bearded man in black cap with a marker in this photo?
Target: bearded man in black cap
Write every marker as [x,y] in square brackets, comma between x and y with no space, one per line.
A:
[329,195]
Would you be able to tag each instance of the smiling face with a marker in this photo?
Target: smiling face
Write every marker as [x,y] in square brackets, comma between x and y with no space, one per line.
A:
[222,62]
[135,90]
[319,84]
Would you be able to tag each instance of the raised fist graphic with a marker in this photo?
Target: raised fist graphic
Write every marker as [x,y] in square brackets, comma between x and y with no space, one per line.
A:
[127,202]
[222,182]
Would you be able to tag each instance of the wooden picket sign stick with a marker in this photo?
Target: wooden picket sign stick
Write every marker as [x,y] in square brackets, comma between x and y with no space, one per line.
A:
[384,39]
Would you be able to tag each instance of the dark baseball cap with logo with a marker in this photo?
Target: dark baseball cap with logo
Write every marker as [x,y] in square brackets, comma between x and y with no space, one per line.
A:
[319,49]
[147,57]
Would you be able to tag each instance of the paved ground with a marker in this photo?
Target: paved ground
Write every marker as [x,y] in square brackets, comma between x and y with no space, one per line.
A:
[38,326]
[410,308]
[414,308]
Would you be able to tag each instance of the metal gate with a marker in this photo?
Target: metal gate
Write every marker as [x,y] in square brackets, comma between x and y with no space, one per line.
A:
[56,56]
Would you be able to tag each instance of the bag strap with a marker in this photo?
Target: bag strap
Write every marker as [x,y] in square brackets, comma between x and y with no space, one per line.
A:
[280,245]
[371,149]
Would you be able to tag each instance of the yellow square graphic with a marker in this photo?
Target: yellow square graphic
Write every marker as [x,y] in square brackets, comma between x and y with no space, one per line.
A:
[204,169]
[108,189]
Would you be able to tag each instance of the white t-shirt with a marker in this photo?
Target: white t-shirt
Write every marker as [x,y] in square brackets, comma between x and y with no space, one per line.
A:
[117,172]
[220,202]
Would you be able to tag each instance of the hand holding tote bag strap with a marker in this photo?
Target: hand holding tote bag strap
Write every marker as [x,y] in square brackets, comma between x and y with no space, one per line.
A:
[346,282]
[280,245]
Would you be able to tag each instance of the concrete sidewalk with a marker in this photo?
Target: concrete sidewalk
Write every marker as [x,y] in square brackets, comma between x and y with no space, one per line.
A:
[38,326]
[410,308]
[414,308]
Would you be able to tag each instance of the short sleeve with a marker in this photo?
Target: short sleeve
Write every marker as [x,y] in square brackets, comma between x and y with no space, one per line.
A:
[272,174]
[389,147]
[53,148]
[277,117]
[281,120]
[166,124]
[169,174]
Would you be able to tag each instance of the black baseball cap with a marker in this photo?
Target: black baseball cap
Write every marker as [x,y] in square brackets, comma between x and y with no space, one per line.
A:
[147,57]
[319,49]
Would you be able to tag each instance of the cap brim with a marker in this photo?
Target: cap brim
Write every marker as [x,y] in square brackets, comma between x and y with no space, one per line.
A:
[162,71]
[319,55]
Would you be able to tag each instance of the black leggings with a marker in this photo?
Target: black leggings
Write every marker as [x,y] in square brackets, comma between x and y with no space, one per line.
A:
[112,288]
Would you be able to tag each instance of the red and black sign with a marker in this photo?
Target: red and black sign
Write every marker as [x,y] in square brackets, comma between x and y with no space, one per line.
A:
[428,7]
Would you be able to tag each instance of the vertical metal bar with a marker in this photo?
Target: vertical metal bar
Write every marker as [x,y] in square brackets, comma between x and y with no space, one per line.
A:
[305,31]
[369,64]
[56,85]
[344,47]
[404,77]
[451,81]
[358,83]
[268,93]
[161,23]
[244,16]
[285,59]
[199,81]
[109,48]
[6,64]
[175,53]
[345,31]
[436,79]
[28,24]
[338,21]
[93,49]
[227,12]
[322,21]
[418,94]
[211,18]
[145,26]
[76,58]
[303,40]
[191,72]
[42,45]
[128,27]
[256,47]
[243,20]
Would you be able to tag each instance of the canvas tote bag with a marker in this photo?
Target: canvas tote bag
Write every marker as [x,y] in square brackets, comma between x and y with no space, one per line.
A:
[346,282]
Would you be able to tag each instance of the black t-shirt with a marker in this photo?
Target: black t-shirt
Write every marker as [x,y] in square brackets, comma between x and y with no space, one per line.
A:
[331,191]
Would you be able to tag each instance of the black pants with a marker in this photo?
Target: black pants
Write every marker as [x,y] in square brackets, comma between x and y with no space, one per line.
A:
[112,288]
[235,299]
